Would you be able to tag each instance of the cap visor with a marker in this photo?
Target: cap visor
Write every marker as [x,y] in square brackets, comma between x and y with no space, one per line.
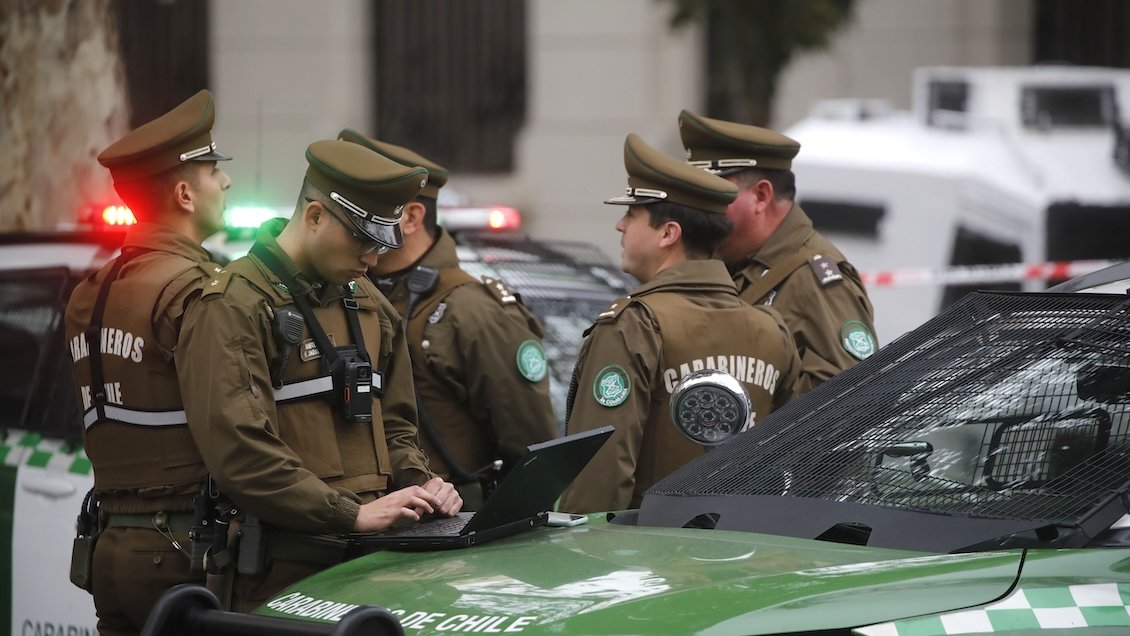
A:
[387,235]
[215,155]
[630,200]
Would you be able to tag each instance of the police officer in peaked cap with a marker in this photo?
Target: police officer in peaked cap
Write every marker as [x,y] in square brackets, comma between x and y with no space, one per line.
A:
[297,381]
[685,316]
[775,255]
[123,329]
[477,359]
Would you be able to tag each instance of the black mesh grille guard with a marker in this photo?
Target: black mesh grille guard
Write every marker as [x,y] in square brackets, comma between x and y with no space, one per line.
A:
[1004,420]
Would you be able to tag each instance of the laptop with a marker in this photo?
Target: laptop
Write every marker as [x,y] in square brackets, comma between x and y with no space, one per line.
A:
[520,502]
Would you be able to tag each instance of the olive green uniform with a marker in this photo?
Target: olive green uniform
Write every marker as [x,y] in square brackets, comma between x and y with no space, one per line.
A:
[140,447]
[818,293]
[479,369]
[288,456]
[687,318]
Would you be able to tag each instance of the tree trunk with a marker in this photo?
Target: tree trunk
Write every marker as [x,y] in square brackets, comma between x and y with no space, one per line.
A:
[63,100]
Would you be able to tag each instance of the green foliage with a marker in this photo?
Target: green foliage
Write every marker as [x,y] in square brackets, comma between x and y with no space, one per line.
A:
[750,42]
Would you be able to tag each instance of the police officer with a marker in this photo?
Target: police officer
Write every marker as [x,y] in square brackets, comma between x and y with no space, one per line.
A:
[775,255]
[686,316]
[477,358]
[123,332]
[296,376]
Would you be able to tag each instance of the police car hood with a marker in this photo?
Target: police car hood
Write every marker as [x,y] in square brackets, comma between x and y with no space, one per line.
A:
[604,578]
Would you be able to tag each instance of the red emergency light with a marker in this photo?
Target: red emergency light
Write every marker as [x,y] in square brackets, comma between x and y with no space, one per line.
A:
[118,216]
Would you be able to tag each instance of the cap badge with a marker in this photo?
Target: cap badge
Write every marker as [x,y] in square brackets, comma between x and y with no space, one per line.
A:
[198,152]
[349,205]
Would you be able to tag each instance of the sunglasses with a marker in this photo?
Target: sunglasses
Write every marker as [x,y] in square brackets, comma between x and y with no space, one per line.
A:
[367,245]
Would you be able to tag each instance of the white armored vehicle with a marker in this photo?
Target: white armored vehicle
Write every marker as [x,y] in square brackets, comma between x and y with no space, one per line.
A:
[991,166]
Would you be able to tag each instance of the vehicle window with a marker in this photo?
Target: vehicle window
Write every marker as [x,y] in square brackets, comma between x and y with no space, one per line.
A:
[565,284]
[36,392]
[971,247]
[845,217]
[947,103]
[1048,107]
[1005,407]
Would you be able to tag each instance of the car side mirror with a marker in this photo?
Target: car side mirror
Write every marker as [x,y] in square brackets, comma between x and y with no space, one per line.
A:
[711,407]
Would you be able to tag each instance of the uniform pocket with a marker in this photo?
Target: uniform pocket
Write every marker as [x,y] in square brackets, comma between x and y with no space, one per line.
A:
[308,429]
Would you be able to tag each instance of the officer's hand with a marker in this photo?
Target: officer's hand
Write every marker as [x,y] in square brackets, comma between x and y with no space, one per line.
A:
[449,500]
[396,508]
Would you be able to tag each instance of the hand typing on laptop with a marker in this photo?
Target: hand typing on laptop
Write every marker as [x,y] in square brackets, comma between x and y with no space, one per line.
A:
[408,505]
[450,503]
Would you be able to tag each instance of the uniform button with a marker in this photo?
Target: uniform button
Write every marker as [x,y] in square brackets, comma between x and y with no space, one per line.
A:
[157,558]
[425,344]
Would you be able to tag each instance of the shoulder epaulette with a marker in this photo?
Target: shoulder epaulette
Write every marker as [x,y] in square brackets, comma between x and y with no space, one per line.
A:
[500,290]
[614,310]
[826,270]
[217,285]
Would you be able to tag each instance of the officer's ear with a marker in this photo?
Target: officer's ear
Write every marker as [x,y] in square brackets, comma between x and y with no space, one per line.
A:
[412,220]
[182,181]
[670,234]
[762,192]
[314,215]
[182,196]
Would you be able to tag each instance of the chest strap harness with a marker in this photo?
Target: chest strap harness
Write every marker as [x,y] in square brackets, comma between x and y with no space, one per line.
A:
[349,371]
[99,409]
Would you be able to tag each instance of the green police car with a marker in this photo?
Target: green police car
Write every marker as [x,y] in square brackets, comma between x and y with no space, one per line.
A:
[971,477]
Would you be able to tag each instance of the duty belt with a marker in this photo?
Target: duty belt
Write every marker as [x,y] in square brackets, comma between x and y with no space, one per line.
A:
[170,521]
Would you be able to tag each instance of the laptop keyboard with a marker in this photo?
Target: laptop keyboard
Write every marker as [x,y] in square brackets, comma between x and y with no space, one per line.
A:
[447,525]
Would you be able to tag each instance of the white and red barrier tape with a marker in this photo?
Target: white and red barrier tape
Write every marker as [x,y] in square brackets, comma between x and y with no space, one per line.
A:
[978,274]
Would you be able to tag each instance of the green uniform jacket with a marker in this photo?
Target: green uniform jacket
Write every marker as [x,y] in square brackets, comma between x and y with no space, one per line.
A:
[478,365]
[822,299]
[298,465]
[687,318]
[142,452]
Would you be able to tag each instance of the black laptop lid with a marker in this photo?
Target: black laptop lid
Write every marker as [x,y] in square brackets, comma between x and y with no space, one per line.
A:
[534,484]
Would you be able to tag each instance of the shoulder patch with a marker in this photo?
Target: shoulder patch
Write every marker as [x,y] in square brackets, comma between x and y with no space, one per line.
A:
[217,285]
[611,386]
[437,315]
[531,360]
[614,310]
[500,290]
[857,339]
[827,272]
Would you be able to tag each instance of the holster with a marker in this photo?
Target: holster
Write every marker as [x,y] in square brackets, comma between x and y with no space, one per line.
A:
[221,564]
[87,529]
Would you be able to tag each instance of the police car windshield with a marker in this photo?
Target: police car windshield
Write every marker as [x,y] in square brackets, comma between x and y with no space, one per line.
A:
[1009,412]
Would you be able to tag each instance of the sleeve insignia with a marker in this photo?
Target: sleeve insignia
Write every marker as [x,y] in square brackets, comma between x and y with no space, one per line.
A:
[531,361]
[611,386]
[857,340]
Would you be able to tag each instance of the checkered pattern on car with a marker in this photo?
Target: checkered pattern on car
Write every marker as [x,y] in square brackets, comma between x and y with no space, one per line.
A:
[1074,606]
[37,452]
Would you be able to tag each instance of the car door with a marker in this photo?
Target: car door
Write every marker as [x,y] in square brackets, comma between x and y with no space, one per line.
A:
[45,473]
